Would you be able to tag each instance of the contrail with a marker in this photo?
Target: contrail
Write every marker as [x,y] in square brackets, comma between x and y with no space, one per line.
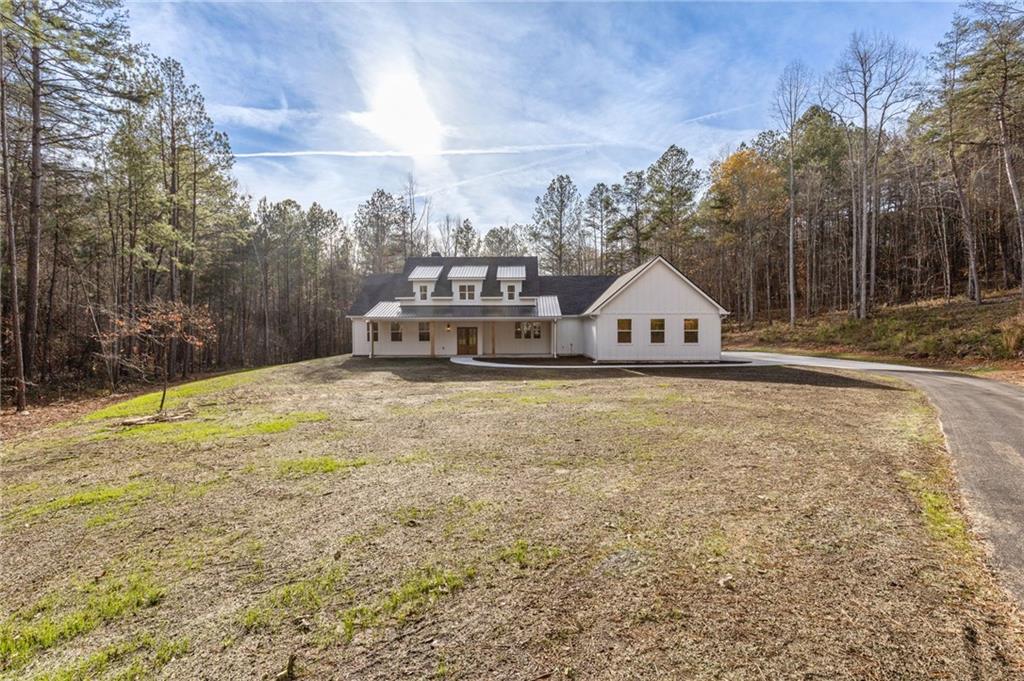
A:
[497,173]
[717,113]
[480,151]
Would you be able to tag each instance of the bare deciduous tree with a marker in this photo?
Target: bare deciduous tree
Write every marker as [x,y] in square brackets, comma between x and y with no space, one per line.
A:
[791,95]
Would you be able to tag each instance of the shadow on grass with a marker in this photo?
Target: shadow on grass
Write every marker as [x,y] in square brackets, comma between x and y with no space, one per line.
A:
[337,369]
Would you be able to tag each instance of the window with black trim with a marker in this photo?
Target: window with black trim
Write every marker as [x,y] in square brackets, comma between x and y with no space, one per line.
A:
[369,326]
[657,330]
[423,291]
[467,291]
[424,331]
[511,291]
[396,332]
[624,329]
[691,330]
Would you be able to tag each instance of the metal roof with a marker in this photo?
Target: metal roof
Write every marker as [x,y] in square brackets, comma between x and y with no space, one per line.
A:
[517,272]
[476,272]
[387,309]
[547,306]
[425,273]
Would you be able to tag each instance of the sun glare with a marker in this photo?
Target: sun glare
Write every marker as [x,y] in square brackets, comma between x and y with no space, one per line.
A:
[400,114]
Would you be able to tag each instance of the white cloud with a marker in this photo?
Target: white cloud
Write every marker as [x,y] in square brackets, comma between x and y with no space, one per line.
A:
[256,118]
[485,103]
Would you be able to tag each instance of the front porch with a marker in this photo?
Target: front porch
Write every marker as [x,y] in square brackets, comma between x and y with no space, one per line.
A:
[451,337]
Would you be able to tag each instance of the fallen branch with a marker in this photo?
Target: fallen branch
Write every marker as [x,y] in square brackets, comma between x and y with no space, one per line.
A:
[159,417]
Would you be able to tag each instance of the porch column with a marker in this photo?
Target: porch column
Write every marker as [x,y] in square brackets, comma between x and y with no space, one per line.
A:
[554,339]
[493,341]
[432,353]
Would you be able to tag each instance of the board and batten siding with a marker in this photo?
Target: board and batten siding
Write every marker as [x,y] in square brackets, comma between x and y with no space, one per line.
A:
[445,342]
[658,293]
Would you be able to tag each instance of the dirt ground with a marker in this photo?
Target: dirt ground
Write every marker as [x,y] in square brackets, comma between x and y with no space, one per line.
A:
[379,519]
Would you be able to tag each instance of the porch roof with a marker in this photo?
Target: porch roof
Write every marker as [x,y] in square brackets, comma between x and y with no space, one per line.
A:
[394,311]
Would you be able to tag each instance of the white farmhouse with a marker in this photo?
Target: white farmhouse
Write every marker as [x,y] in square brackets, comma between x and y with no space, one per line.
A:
[502,307]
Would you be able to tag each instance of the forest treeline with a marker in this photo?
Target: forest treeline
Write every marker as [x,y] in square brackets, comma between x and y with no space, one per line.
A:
[129,251]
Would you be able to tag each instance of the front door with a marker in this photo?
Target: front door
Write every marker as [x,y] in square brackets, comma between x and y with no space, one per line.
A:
[466,336]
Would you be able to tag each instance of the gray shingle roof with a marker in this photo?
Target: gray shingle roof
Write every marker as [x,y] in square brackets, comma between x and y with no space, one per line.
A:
[574,293]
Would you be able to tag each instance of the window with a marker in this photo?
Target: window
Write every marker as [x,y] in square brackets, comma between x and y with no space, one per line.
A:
[511,291]
[467,291]
[527,329]
[691,330]
[657,330]
[424,331]
[371,325]
[423,291]
[625,330]
[396,332]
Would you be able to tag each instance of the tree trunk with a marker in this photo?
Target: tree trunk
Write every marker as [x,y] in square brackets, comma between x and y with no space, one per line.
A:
[792,235]
[12,257]
[34,208]
[1018,205]
[862,307]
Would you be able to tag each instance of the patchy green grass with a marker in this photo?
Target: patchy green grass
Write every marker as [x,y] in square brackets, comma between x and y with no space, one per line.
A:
[540,534]
[20,489]
[101,494]
[411,516]
[523,555]
[148,655]
[716,544]
[176,396]
[314,465]
[941,516]
[41,626]
[201,489]
[411,597]
[197,431]
[919,425]
[419,456]
[299,597]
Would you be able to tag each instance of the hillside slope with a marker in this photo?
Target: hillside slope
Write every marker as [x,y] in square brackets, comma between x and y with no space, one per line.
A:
[935,331]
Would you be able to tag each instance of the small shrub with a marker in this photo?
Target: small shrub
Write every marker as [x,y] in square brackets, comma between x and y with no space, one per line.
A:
[1012,333]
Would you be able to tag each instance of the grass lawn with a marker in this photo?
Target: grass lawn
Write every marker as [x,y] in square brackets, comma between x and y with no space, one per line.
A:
[414,519]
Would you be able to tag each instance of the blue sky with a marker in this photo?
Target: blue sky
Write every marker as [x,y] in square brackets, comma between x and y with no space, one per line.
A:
[485,103]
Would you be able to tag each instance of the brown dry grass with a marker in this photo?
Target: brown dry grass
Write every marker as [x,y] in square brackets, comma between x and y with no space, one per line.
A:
[416,519]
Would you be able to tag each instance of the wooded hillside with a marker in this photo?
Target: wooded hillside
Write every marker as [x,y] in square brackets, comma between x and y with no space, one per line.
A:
[129,251]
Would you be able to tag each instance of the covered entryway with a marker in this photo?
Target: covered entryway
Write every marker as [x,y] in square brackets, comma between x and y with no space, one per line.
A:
[466,340]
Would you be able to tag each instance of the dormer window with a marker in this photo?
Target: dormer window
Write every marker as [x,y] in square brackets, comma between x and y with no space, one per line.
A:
[511,291]
[467,291]
[423,291]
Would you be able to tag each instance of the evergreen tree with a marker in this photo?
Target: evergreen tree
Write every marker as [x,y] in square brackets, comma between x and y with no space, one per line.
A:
[556,226]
